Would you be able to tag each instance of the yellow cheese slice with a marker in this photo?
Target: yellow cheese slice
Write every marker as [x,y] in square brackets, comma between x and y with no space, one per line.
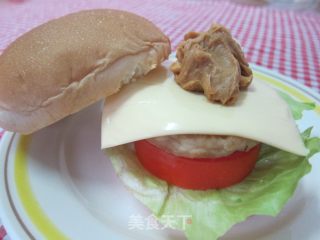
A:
[157,106]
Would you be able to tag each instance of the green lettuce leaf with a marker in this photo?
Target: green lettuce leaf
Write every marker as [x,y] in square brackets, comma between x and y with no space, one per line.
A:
[212,213]
[296,107]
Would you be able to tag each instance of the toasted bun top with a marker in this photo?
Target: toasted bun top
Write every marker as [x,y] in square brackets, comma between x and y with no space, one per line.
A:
[66,64]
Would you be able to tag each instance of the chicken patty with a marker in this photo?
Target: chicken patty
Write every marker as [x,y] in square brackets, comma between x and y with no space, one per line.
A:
[202,146]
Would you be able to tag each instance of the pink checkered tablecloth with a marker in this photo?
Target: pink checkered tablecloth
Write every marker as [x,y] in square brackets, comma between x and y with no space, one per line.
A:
[286,41]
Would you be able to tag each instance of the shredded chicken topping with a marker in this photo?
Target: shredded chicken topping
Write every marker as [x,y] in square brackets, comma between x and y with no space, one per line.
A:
[212,62]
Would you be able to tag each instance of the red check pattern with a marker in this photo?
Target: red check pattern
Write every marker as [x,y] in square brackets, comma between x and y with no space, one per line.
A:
[2,232]
[286,41]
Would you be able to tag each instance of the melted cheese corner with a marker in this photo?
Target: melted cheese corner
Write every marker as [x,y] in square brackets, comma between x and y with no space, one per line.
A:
[156,106]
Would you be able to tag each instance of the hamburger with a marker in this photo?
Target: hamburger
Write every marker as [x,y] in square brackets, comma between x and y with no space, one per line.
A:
[201,141]
[172,148]
[163,143]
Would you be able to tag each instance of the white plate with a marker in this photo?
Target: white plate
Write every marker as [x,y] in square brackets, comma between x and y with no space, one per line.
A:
[57,184]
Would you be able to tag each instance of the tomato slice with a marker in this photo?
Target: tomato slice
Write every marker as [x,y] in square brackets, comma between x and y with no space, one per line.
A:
[196,173]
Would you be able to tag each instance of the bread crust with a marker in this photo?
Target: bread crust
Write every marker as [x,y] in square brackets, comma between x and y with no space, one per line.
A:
[68,63]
